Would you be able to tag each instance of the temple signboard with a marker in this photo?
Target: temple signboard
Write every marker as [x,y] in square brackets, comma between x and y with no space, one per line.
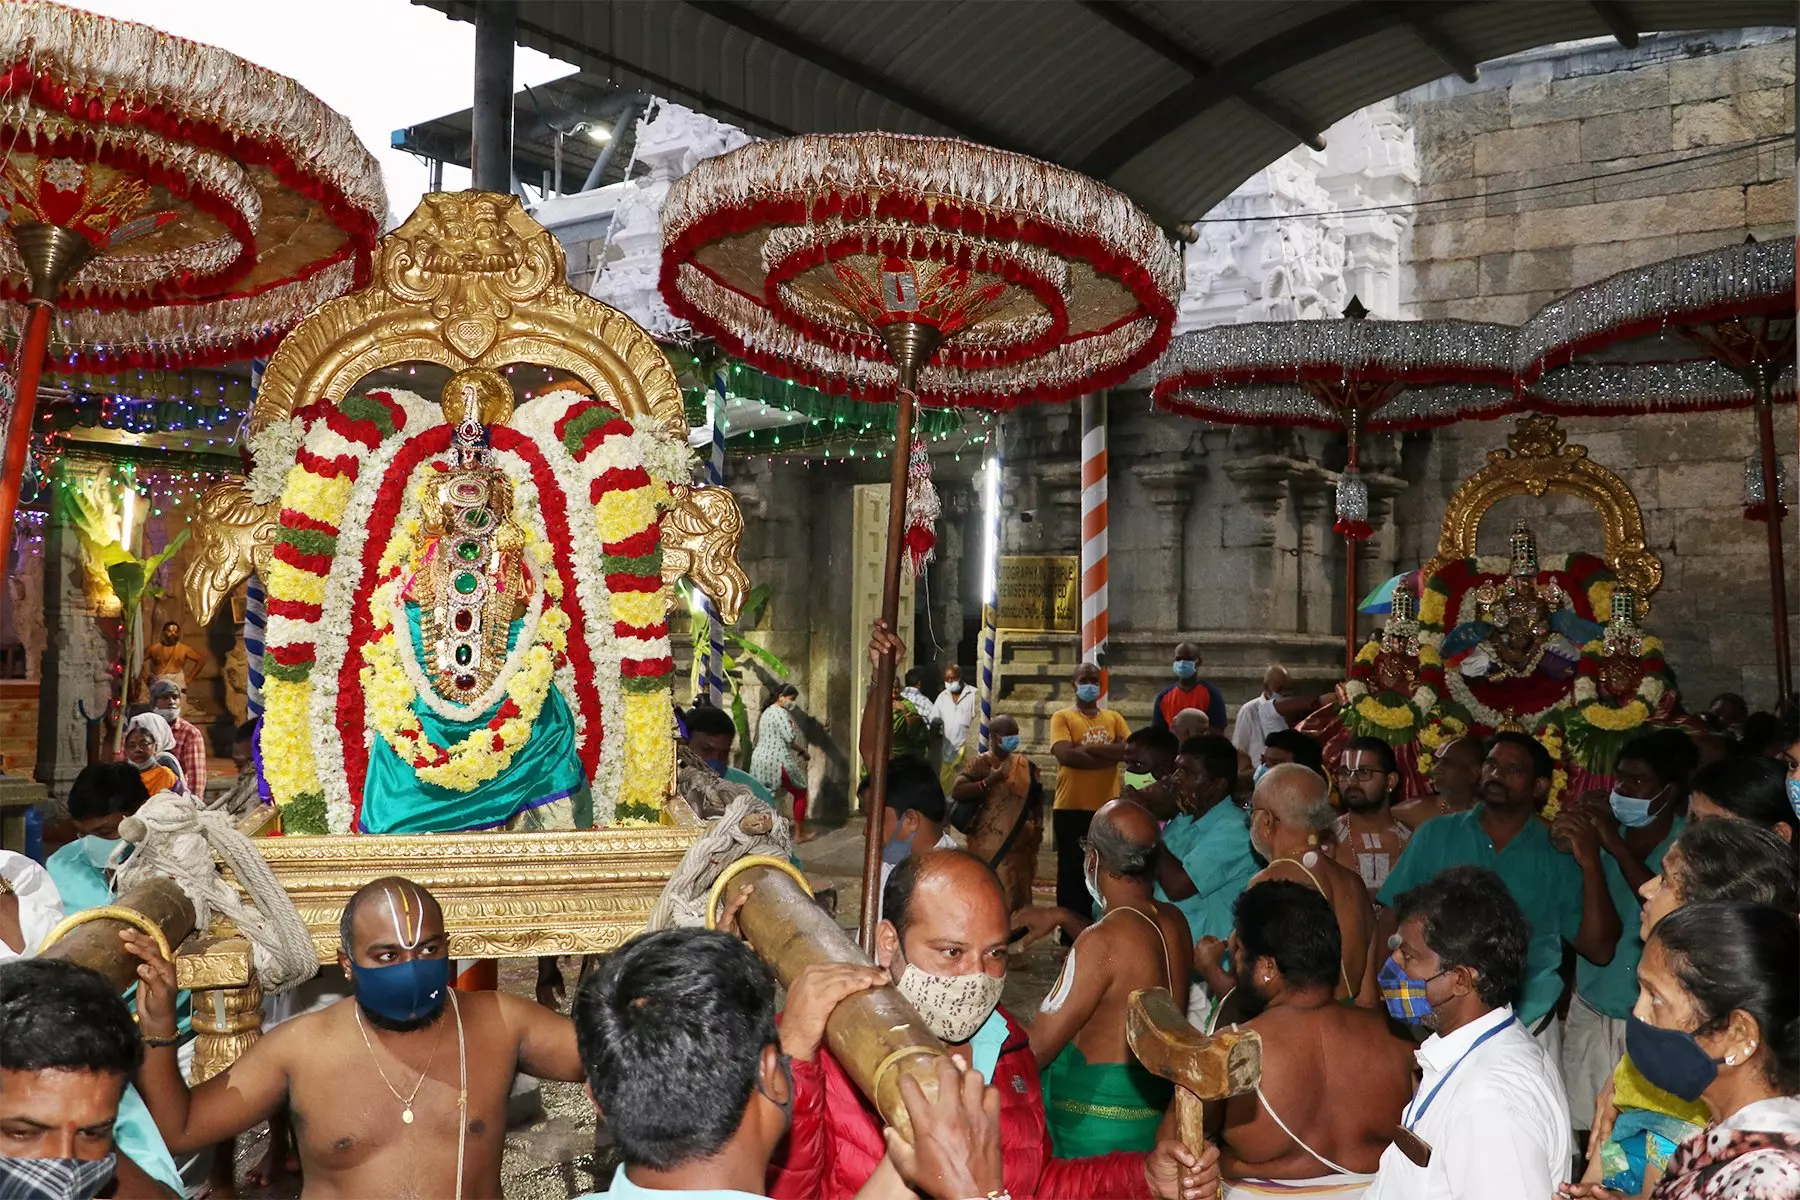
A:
[1039,592]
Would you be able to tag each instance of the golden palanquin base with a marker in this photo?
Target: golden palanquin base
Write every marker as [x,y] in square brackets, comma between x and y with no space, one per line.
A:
[504,895]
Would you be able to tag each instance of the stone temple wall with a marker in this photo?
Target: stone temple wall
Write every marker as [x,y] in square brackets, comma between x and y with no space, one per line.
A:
[1223,534]
[1556,116]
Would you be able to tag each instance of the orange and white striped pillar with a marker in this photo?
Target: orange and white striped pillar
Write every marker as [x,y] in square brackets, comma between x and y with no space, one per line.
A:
[1093,534]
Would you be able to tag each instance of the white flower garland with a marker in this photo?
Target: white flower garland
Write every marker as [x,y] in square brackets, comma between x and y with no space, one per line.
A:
[332,639]
[272,454]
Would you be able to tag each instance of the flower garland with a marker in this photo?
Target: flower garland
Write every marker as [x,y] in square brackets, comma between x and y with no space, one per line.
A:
[1598,728]
[1442,604]
[392,681]
[1388,715]
[344,496]
[1551,738]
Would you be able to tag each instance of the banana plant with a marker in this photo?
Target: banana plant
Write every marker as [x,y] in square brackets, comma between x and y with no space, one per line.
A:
[738,650]
[133,579]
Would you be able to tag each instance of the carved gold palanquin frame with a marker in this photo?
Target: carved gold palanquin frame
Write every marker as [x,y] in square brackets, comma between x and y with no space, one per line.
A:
[1538,459]
[470,280]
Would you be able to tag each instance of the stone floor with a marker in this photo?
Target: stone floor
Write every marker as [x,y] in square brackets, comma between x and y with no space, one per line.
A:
[551,1156]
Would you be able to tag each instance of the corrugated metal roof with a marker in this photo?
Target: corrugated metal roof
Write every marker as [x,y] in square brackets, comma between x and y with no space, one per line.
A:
[1174,101]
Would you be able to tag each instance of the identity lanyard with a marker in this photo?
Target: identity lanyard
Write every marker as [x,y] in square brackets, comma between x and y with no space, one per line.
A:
[1413,1122]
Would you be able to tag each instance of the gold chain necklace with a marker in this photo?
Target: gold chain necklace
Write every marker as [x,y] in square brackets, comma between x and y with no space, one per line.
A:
[406,1113]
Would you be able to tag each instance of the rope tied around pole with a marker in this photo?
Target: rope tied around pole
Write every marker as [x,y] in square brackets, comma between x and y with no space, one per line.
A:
[749,827]
[177,840]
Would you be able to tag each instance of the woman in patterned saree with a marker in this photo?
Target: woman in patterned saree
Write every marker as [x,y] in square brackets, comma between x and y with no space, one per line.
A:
[779,760]
[1718,1020]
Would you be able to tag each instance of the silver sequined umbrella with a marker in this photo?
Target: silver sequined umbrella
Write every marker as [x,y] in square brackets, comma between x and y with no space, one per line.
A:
[1704,331]
[1354,375]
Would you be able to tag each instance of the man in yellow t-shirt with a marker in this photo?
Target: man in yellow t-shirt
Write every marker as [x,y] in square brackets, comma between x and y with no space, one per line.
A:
[1088,743]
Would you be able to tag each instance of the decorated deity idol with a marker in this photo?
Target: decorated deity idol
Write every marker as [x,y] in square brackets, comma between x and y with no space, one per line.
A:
[485,738]
[1524,625]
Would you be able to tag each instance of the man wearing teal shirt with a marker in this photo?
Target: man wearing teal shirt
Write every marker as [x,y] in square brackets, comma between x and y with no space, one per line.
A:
[698,1008]
[102,795]
[1554,873]
[1640,820]
[1209,862]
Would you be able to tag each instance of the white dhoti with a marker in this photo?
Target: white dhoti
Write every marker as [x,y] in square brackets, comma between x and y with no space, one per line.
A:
[1592,1045]
[1342,1185]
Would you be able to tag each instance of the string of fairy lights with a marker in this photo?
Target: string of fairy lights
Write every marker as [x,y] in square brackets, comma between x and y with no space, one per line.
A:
[164,437]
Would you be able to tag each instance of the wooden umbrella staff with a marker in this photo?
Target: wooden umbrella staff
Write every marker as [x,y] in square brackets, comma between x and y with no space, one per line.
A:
[911,343]
[918,271]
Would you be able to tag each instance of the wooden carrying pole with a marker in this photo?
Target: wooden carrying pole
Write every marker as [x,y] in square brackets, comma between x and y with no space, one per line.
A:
[91,938]
[875,1035]
[911,344]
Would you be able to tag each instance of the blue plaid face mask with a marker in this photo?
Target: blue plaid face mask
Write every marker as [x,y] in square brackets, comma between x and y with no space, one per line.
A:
[55,1178]
[1404,996]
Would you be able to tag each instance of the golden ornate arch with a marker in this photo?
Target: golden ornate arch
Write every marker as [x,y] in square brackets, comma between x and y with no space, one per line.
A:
[470,280]
[1538,459]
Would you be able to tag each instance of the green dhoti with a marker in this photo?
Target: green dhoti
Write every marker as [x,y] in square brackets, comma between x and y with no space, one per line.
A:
[1098,1108]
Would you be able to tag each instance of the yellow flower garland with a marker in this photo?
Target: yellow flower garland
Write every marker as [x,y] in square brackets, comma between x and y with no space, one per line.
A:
[1431,607]
[287,747]
[1616,720]
[649,748]
[1399,716]
[640,608]
[625,513]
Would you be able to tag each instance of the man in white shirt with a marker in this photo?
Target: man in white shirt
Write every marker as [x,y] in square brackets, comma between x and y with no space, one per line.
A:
[30,906]
[1257,718]
[1489,1120]
[954,709]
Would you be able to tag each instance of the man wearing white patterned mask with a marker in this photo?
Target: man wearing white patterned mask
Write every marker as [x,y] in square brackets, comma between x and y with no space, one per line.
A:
[943,942]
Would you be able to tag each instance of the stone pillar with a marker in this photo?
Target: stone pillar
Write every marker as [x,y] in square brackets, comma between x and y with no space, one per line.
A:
[75,661]
[1169,486]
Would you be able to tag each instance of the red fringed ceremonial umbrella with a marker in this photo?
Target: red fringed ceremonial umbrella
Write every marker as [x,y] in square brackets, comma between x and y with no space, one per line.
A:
[177,204]
[1355,376]
[1713,330]
[918,270]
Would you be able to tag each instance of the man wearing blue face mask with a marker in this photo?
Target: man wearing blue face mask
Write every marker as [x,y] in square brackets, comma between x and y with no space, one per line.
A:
[102,795]
[1188,691]
[1637,823]
[912,821]
[1010,827]
[1488,1120]
[711,733]
[1088,743]
[399,1090]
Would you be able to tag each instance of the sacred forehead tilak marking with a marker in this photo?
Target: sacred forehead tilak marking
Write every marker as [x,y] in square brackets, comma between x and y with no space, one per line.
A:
[1065,983]
[409,917]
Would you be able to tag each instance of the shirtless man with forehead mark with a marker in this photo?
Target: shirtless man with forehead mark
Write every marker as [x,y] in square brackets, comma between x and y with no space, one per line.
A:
[376,1081]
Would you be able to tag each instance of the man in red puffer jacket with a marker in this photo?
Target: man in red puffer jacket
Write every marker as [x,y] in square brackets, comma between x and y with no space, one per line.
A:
[943,942]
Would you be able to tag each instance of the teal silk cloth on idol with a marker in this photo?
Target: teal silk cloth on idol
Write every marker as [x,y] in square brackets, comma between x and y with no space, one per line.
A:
[544,770]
